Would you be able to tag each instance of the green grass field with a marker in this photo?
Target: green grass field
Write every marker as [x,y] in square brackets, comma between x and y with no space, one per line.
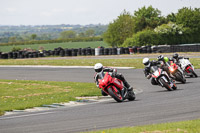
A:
[20,94]
[192,126]
[136,63]
[51,46]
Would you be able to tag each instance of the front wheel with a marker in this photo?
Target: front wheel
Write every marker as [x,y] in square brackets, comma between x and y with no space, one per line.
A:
[192,71]
[115,94]
[180,77]
[166,85]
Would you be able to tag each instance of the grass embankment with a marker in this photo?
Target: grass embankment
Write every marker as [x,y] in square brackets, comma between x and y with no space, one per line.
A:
[51,46]
[19,94]
[136,63]
[192,126]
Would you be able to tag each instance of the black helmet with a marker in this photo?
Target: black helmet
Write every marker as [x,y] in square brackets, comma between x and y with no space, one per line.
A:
[175,55]
[160,57]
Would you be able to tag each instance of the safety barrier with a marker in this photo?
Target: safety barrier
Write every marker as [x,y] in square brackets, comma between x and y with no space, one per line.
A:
[101,51]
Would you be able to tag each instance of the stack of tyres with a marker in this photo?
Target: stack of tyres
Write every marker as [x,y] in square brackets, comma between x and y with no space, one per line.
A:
[149,49]
[93,51]
[62,52]
[83,51]
[101,52]
[68,52]
[106,51]
[74,52]
[10,55]
[4,56]
[88,51]
[134,49]
[79,51]
[122,51]
[126,51]
[114,51]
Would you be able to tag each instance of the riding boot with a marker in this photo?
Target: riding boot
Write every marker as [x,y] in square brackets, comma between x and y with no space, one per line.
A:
[128,86]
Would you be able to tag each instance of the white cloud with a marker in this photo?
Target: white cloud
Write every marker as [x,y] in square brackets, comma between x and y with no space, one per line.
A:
[56,10]
[46,14]
[9,9]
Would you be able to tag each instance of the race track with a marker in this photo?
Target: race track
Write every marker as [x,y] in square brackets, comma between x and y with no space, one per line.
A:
[153,105]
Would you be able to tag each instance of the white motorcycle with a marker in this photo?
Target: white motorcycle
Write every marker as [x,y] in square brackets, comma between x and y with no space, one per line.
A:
[187,67]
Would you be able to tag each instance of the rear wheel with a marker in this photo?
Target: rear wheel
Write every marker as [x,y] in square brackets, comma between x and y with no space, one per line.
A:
[192,71]
[115,94]
[166,85]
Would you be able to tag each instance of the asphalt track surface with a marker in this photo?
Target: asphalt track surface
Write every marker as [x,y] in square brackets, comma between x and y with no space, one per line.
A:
[153,105]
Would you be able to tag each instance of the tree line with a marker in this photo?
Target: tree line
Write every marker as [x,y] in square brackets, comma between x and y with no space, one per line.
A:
[148,27]
[25,34]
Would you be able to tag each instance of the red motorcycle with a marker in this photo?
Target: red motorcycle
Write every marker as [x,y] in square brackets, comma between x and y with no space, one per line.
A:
[176,72]
[115,88]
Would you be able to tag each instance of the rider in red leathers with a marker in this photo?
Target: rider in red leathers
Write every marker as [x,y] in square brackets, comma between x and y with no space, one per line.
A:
[99,69]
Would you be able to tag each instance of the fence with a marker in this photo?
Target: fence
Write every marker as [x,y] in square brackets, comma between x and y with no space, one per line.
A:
[101,51]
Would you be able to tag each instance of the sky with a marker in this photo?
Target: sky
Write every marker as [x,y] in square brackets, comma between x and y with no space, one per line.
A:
[83,12]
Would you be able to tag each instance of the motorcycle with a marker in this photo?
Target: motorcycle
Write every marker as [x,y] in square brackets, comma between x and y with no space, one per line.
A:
[187,67]
[162,78]
[176,72]
[115,88]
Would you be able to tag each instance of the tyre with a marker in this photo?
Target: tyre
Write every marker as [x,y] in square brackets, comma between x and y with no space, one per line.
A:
[131,96]
[192,71]
[180,77]
[166,85]
[103,93]
[116,95]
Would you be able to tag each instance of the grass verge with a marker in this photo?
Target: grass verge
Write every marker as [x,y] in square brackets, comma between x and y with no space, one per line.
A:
[20,94]
[136,63]
[192,126]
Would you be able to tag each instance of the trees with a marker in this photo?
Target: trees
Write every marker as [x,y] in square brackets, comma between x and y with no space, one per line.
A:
[33,36]
[90,33]
[147,18]
[67,34]
[119,30]
[189,17]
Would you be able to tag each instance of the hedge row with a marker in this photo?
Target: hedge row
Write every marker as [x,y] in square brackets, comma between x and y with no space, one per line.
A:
[101,51]
[83,39]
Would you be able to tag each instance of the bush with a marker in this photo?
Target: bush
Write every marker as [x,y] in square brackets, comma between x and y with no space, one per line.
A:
[15,49]
[142,38]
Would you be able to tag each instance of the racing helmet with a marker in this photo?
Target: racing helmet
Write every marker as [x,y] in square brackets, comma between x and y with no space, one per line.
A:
[175,55]
[166,59]
[98,67]
[146,61]
[160,58]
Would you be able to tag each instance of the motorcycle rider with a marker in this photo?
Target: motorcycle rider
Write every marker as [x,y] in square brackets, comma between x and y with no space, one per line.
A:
[176,58]
[163,60]
[99,69]
[147,70]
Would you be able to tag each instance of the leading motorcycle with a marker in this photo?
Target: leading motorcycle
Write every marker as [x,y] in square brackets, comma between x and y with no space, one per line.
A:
[187,67]
[115,88]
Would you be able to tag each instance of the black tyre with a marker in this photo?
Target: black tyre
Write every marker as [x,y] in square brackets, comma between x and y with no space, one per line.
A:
[103,93]
[166,85]
[116,95]
[180,77]
[192,71]
[131,96]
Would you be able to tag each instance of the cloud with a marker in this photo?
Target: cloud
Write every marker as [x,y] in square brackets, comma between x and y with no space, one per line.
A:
[46,14]
[9,9]
[56,10]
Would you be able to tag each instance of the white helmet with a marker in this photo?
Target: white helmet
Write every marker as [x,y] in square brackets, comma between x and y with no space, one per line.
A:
[98,67]
[146,61]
